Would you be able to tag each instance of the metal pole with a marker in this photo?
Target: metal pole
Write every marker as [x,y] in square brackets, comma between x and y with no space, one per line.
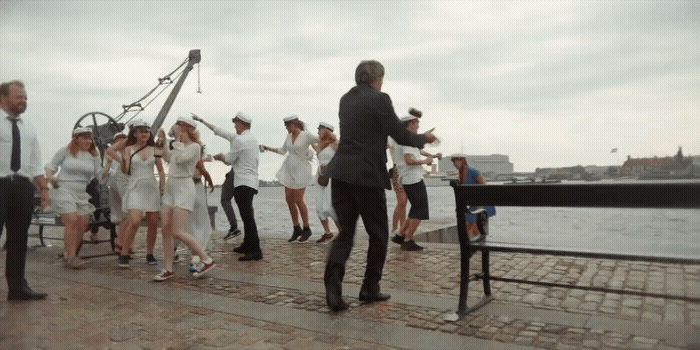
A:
[194,58]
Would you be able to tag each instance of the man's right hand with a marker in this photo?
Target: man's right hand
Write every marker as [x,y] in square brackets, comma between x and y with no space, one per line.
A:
[196,117]
[429,137]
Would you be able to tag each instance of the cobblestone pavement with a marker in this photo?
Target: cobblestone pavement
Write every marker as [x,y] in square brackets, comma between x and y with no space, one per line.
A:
[279,302]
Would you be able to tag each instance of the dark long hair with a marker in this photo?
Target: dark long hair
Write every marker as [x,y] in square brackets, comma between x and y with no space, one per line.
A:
[131,139]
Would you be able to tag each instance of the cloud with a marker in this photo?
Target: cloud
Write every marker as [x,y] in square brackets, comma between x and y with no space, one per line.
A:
[548,83]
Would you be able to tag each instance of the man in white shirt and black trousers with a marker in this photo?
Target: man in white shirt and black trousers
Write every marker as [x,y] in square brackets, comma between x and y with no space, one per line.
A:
[20,164]
[243,156]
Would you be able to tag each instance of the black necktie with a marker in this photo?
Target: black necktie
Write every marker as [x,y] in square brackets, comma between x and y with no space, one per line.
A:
[15,163]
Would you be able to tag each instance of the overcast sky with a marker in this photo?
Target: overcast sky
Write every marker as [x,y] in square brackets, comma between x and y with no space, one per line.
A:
[550,83]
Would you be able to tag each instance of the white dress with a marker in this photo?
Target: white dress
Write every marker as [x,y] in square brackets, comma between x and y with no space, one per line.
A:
[142,191]
[74,173]
[179,189]
[324,205]
[296,169]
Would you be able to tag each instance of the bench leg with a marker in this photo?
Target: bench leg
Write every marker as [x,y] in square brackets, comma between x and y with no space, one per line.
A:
[485,270]
[462,308]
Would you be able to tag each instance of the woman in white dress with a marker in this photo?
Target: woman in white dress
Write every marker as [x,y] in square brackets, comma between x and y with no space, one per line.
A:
[296,173]
[76,164]
[142,195]
[179,197]
[327,146]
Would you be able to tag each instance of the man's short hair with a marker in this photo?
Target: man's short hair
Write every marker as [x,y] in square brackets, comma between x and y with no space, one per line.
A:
[368,72]
[5,87]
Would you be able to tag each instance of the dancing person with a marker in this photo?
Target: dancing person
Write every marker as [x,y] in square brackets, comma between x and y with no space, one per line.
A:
[116,181]
[411,178]
[327,146]
[198,223]
[399,216]
[76,164]
[243,155]
[467,176]
[142,195]
[397,157]
[226,187]
[295,174]
[20,165]
[358,171]
[178,200]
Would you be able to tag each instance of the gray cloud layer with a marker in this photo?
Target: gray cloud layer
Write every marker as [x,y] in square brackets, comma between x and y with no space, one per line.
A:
[549,83]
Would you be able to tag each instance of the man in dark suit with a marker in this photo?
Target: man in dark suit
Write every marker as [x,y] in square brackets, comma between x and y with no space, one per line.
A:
[359,176]
[20,164]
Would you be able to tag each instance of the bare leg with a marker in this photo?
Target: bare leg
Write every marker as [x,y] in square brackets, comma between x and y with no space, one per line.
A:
[152,235]
[299,199]
[166,217]
[289,197]
[399,217]
[178,222]
[410,227]
[70,238]
[472,230]
[326,228]
[133,221]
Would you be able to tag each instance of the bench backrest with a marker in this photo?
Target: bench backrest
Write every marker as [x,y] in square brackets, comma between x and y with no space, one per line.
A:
[623,195]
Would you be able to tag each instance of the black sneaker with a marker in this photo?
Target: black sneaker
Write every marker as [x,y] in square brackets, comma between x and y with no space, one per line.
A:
[305,234]
[123,261]
[411,246]
[151,260]
[234,232]
[397,239]
[297,232]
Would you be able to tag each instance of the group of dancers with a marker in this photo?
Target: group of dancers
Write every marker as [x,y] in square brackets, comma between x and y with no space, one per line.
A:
[134,158]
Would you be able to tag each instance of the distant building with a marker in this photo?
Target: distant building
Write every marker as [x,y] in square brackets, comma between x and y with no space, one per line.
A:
[489,165]
[677,166]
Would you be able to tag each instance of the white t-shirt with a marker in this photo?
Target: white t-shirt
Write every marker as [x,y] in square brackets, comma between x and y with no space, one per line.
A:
[411,174]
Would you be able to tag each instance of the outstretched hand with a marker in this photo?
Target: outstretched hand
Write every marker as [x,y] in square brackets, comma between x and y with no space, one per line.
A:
[429,137]
[196,117]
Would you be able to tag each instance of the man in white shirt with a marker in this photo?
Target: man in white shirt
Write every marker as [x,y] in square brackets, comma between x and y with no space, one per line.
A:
[20,163]
[243,157]
[411,178]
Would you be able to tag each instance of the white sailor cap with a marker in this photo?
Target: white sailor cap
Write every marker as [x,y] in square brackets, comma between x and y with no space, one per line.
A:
[187,121]
[139,123]
[242,117]
[83,130]
[119,134]
[325,125]
[290,118]
[458,155]
[408,118]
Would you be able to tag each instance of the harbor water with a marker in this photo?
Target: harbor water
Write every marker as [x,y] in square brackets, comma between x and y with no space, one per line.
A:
[673,231]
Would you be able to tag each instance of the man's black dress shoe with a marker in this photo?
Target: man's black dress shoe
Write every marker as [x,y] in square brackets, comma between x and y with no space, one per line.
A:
[336,302]
[367,297]
[26,294]
[251,256]
[240,249]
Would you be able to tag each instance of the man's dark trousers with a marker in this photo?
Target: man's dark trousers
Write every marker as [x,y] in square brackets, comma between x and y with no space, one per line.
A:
[226,196]
[16,208]
[244,200]
[349,202]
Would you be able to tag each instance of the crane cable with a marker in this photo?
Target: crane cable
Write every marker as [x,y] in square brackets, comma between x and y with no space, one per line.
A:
[166,80]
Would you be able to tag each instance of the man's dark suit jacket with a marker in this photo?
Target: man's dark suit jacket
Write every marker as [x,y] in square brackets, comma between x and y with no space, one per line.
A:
[367,117]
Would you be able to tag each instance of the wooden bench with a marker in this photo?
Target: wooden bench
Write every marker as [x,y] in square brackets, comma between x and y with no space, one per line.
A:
[623,195]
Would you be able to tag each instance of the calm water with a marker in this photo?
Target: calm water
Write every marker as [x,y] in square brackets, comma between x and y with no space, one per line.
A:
[636,230]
